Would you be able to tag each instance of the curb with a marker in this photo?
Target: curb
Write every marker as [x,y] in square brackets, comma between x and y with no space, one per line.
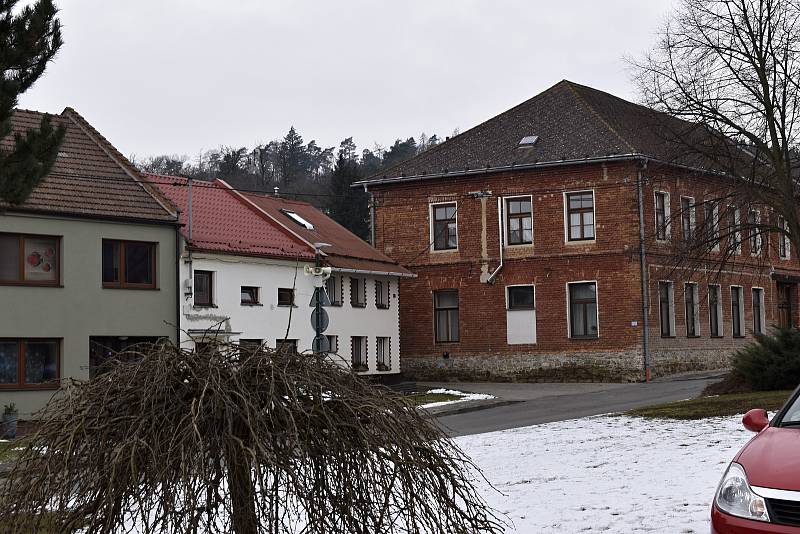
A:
[469,406]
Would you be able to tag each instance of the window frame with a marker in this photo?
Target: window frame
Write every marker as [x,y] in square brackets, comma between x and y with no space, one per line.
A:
[567,212]
[286,344]
[713,227]
[333,343]
[379,293]
[292,302]
[735,233]
[363,285]
[437,309]
[335,298]
[433,234]
[737,311]
[762,316]
[520,216]
[21,281]
[688,215]
[784,243]
[520,308]
[20,384]
[210,302]
[570,333]
[363,363]
[252,342]
[122,283]
[670,318]
[663,228]
[691,288]
[718,312]
[256,296]
[386,359]
[756,238]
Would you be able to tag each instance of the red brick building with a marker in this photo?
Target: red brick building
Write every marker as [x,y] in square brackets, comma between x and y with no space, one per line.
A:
[543,239]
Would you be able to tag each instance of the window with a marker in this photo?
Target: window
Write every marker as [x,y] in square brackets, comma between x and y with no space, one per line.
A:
[785,312]
[286,346]
[445,226]
[333,344]
[29,363]
[754,221]
[666,308]
[711,222]
[249,295]
[249,346]
[298,219]
[691,304]
[520,298]
[30,259]
[382,294]
[783,239]
[662,216]
[715,310]
[203,288]
[758,310]
[583,310]
[103,348]
[687,219]
[285,296]
[383,354]
[519,222]
[735,229]
[333,286]
[129,264]
[358,292]
[358,353]
[580,216]
[737,311]
[445,311]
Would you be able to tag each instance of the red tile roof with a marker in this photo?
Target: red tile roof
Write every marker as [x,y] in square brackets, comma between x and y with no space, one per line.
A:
[347,250]
[221,222]
[90,177]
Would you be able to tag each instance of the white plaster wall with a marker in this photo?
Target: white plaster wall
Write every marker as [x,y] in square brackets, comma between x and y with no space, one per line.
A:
[269,321]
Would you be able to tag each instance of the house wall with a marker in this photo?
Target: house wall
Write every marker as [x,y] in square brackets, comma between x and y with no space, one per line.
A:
[81,307]
[269,322]
[403,222]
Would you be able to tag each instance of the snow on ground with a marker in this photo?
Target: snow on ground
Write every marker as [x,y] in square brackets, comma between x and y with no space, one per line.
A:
[463,397]
[607,474]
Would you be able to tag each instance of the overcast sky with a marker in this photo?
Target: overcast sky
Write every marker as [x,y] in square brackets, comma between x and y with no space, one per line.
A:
[181,76]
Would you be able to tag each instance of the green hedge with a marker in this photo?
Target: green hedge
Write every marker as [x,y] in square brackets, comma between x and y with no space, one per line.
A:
[772,362]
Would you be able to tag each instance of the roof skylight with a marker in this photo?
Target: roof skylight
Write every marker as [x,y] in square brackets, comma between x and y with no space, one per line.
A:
[298,219]
[528,140]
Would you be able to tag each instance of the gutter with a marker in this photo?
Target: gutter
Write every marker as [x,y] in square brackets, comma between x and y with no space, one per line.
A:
[645,277]
[374,273]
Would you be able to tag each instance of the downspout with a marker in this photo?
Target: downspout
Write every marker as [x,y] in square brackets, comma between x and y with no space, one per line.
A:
[645,277]
[371,217]
[501,238]
[178,286]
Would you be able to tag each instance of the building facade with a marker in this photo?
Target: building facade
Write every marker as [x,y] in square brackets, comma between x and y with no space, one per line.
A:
[543,243]
[88,264]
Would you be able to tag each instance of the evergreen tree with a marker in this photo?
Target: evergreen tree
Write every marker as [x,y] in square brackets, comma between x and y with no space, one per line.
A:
[28,41]
[348,206]
[291,155]
[399,151]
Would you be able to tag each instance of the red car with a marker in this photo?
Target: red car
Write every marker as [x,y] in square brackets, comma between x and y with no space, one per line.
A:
[760,491]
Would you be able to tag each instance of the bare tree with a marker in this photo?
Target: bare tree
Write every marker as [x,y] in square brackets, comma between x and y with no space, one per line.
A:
[238,439]
[730,69]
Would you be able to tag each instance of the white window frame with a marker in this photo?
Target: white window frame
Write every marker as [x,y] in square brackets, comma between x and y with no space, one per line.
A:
[671,303]
[759,237]
[737,230]
[692,217]
[431,221]
[784,239]
[508,299]
[740,291]
[506,221]
[714,223]
[667,215]
[695,289]
[597,307]
[720,311]
[387,357]
[763,311]
[567,240]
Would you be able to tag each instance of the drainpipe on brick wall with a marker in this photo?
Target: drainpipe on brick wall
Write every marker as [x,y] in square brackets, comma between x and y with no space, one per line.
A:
[500,217]
[645,277]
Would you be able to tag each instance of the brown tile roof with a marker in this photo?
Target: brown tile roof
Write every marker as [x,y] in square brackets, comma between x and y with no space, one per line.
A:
[347,250]
[573,122]
[90,177]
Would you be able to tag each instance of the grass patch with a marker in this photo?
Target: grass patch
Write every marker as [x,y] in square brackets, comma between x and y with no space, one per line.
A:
[8,450]
[721,405]
[426,398]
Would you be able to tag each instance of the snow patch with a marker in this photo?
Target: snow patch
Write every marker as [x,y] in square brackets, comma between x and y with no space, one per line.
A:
[463,397]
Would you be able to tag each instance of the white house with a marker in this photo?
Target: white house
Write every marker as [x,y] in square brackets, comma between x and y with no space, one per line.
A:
[243,266]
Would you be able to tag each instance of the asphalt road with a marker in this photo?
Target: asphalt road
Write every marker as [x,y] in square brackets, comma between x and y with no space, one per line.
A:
[551,408]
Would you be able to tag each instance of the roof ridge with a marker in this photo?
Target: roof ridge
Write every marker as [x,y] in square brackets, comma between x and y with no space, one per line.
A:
[119,159]
[594,112]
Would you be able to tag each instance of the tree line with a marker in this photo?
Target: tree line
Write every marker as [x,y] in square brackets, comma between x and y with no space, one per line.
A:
[306,171]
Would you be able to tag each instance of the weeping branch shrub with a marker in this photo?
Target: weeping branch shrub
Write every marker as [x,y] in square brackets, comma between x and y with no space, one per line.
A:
[242,440]
[772,362]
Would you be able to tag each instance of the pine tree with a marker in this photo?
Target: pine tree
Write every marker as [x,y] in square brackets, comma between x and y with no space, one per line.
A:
[28,41]
[348,206]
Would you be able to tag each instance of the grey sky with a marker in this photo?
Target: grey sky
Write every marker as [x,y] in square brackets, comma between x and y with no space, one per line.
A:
[180,76]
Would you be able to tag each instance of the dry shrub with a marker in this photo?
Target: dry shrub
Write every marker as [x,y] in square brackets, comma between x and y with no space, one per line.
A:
[170,440]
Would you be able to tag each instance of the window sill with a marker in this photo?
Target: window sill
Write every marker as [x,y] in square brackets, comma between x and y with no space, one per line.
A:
[717,337]
[574,242]
[447,342]
[358,306]
[202,306]
[739,337]
[381,307]
[584,338]
[441,250]
[140,288]
[251,304]
[286,305]
[518,245]
[667,337]
[693,337]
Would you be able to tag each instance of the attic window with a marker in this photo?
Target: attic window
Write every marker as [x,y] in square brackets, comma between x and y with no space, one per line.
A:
[298,219]
[528,140]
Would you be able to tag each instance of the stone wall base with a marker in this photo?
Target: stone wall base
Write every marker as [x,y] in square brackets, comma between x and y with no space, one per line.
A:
[621,366]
